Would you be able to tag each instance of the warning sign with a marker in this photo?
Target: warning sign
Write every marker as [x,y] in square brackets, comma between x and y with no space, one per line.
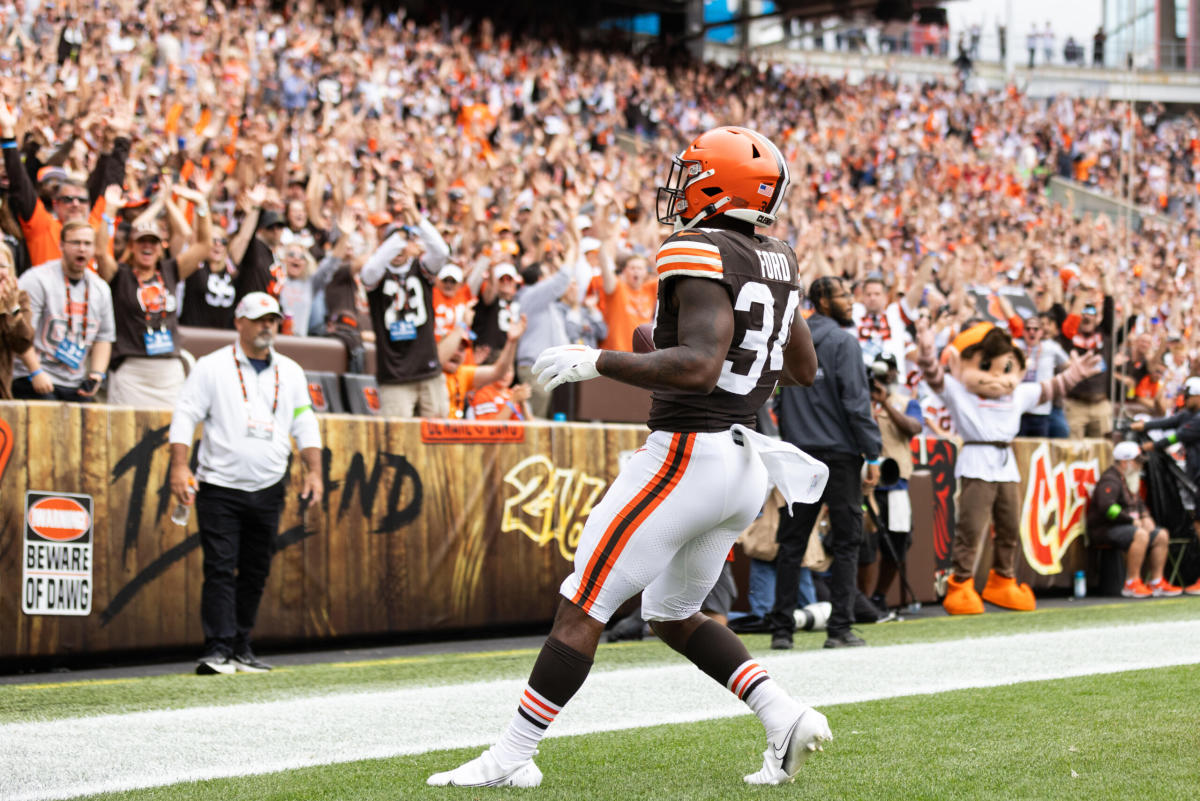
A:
[57,560]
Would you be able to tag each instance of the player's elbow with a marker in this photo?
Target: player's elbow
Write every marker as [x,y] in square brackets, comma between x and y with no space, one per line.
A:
[805,374]
[700,376]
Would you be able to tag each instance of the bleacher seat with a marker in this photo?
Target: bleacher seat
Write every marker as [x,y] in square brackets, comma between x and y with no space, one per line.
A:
[319,354]
[325,391]
[362,394]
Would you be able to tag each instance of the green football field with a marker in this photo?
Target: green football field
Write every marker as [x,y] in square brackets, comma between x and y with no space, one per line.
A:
[1110,735]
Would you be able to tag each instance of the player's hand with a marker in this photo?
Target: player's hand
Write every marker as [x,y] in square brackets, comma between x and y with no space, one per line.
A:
[563,363]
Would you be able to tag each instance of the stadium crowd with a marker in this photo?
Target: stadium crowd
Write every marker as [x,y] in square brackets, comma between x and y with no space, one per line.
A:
[217,150]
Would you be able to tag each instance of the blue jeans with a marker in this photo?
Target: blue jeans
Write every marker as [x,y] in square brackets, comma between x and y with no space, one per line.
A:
[762,587]
[1058,424]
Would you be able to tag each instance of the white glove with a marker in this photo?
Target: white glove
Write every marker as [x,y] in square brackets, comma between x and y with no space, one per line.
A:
[563,363]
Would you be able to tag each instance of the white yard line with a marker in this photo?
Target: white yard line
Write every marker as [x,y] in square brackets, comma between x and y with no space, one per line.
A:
[65,758]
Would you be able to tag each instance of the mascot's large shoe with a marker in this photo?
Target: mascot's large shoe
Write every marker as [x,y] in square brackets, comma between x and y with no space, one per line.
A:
[961,598]
[1008,593]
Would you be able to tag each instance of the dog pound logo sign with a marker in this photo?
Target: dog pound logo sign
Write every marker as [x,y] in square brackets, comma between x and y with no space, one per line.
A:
[57,559]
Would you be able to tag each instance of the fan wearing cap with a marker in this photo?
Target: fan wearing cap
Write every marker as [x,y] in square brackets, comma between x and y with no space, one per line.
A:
[1117,518]
[253,402]
[452,297]
[982,387]
[146,370]
[72,318]
[399,278]
[496,309]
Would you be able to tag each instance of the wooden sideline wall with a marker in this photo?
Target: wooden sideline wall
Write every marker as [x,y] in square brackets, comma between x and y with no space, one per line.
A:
[423,527]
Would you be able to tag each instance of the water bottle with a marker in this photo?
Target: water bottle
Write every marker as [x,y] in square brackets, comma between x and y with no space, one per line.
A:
[182,511]
[1080,584]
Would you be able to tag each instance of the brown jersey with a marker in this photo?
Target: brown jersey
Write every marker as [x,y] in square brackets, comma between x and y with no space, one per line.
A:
[759,273]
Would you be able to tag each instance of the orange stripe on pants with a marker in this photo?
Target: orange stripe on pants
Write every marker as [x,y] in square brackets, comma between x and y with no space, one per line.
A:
[631,517]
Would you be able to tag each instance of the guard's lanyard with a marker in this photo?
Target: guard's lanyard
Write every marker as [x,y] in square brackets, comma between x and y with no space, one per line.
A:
[242,383]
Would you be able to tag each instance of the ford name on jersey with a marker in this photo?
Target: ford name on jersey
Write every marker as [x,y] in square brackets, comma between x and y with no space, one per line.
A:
[774,265]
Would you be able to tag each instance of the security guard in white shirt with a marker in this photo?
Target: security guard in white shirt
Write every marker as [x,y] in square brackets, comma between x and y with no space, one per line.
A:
[250,399]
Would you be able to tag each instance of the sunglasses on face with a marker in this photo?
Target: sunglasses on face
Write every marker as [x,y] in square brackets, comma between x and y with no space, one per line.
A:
[72,199]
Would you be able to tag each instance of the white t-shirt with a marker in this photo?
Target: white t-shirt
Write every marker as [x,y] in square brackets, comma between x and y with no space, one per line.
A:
[1042,363]
[986,420]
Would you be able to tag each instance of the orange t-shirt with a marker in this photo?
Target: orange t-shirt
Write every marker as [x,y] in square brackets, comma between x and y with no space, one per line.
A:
[488,402]
[449,310]
[626,309]
[43,231]
[460,384]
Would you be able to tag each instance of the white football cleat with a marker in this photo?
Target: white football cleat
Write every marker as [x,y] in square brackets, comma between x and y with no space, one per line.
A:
[485,771]
[782,761]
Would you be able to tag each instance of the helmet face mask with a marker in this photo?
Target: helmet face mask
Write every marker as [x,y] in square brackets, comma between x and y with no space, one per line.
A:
[732,171]
[672,201]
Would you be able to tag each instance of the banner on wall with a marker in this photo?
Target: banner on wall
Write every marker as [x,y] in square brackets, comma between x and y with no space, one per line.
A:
[57,555]
[1054,501]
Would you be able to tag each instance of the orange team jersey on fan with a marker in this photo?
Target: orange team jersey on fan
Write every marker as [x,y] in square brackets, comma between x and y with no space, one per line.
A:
[459,384]
[488,402]
[43,231]
[624,310]
[449,310]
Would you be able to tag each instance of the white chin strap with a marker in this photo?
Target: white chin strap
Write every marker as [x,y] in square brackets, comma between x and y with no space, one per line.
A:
[707,211]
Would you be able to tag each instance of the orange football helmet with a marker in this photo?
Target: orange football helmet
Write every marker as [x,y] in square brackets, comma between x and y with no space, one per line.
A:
[733,171]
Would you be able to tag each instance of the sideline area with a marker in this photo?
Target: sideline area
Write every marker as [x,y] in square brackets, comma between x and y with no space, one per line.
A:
[163,747]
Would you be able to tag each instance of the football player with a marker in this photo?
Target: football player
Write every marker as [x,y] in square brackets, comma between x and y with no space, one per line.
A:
[726,331]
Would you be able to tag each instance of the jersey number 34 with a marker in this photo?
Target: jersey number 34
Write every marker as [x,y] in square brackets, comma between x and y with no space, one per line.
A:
[765,341]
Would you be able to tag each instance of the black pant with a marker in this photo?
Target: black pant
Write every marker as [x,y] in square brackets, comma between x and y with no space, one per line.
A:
[237,535]
[1035,425]
[843,496]
[22,389]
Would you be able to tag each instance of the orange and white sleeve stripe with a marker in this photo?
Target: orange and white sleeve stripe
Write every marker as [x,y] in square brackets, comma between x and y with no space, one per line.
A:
[679,257]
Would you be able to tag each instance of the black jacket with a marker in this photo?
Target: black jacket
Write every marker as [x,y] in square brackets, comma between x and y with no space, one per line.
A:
[1111,504]
[834,414]
[1187,431]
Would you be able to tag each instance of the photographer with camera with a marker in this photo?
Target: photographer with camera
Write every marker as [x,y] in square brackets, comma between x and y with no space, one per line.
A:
[890,508]
[1186,429]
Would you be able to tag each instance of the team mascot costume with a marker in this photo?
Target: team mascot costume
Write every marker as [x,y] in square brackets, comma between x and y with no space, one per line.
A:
[980,380]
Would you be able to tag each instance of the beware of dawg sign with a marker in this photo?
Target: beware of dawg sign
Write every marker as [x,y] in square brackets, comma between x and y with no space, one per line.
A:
[57,560]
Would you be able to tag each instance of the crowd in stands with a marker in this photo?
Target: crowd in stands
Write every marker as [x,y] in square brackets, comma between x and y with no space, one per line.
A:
[188,153]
